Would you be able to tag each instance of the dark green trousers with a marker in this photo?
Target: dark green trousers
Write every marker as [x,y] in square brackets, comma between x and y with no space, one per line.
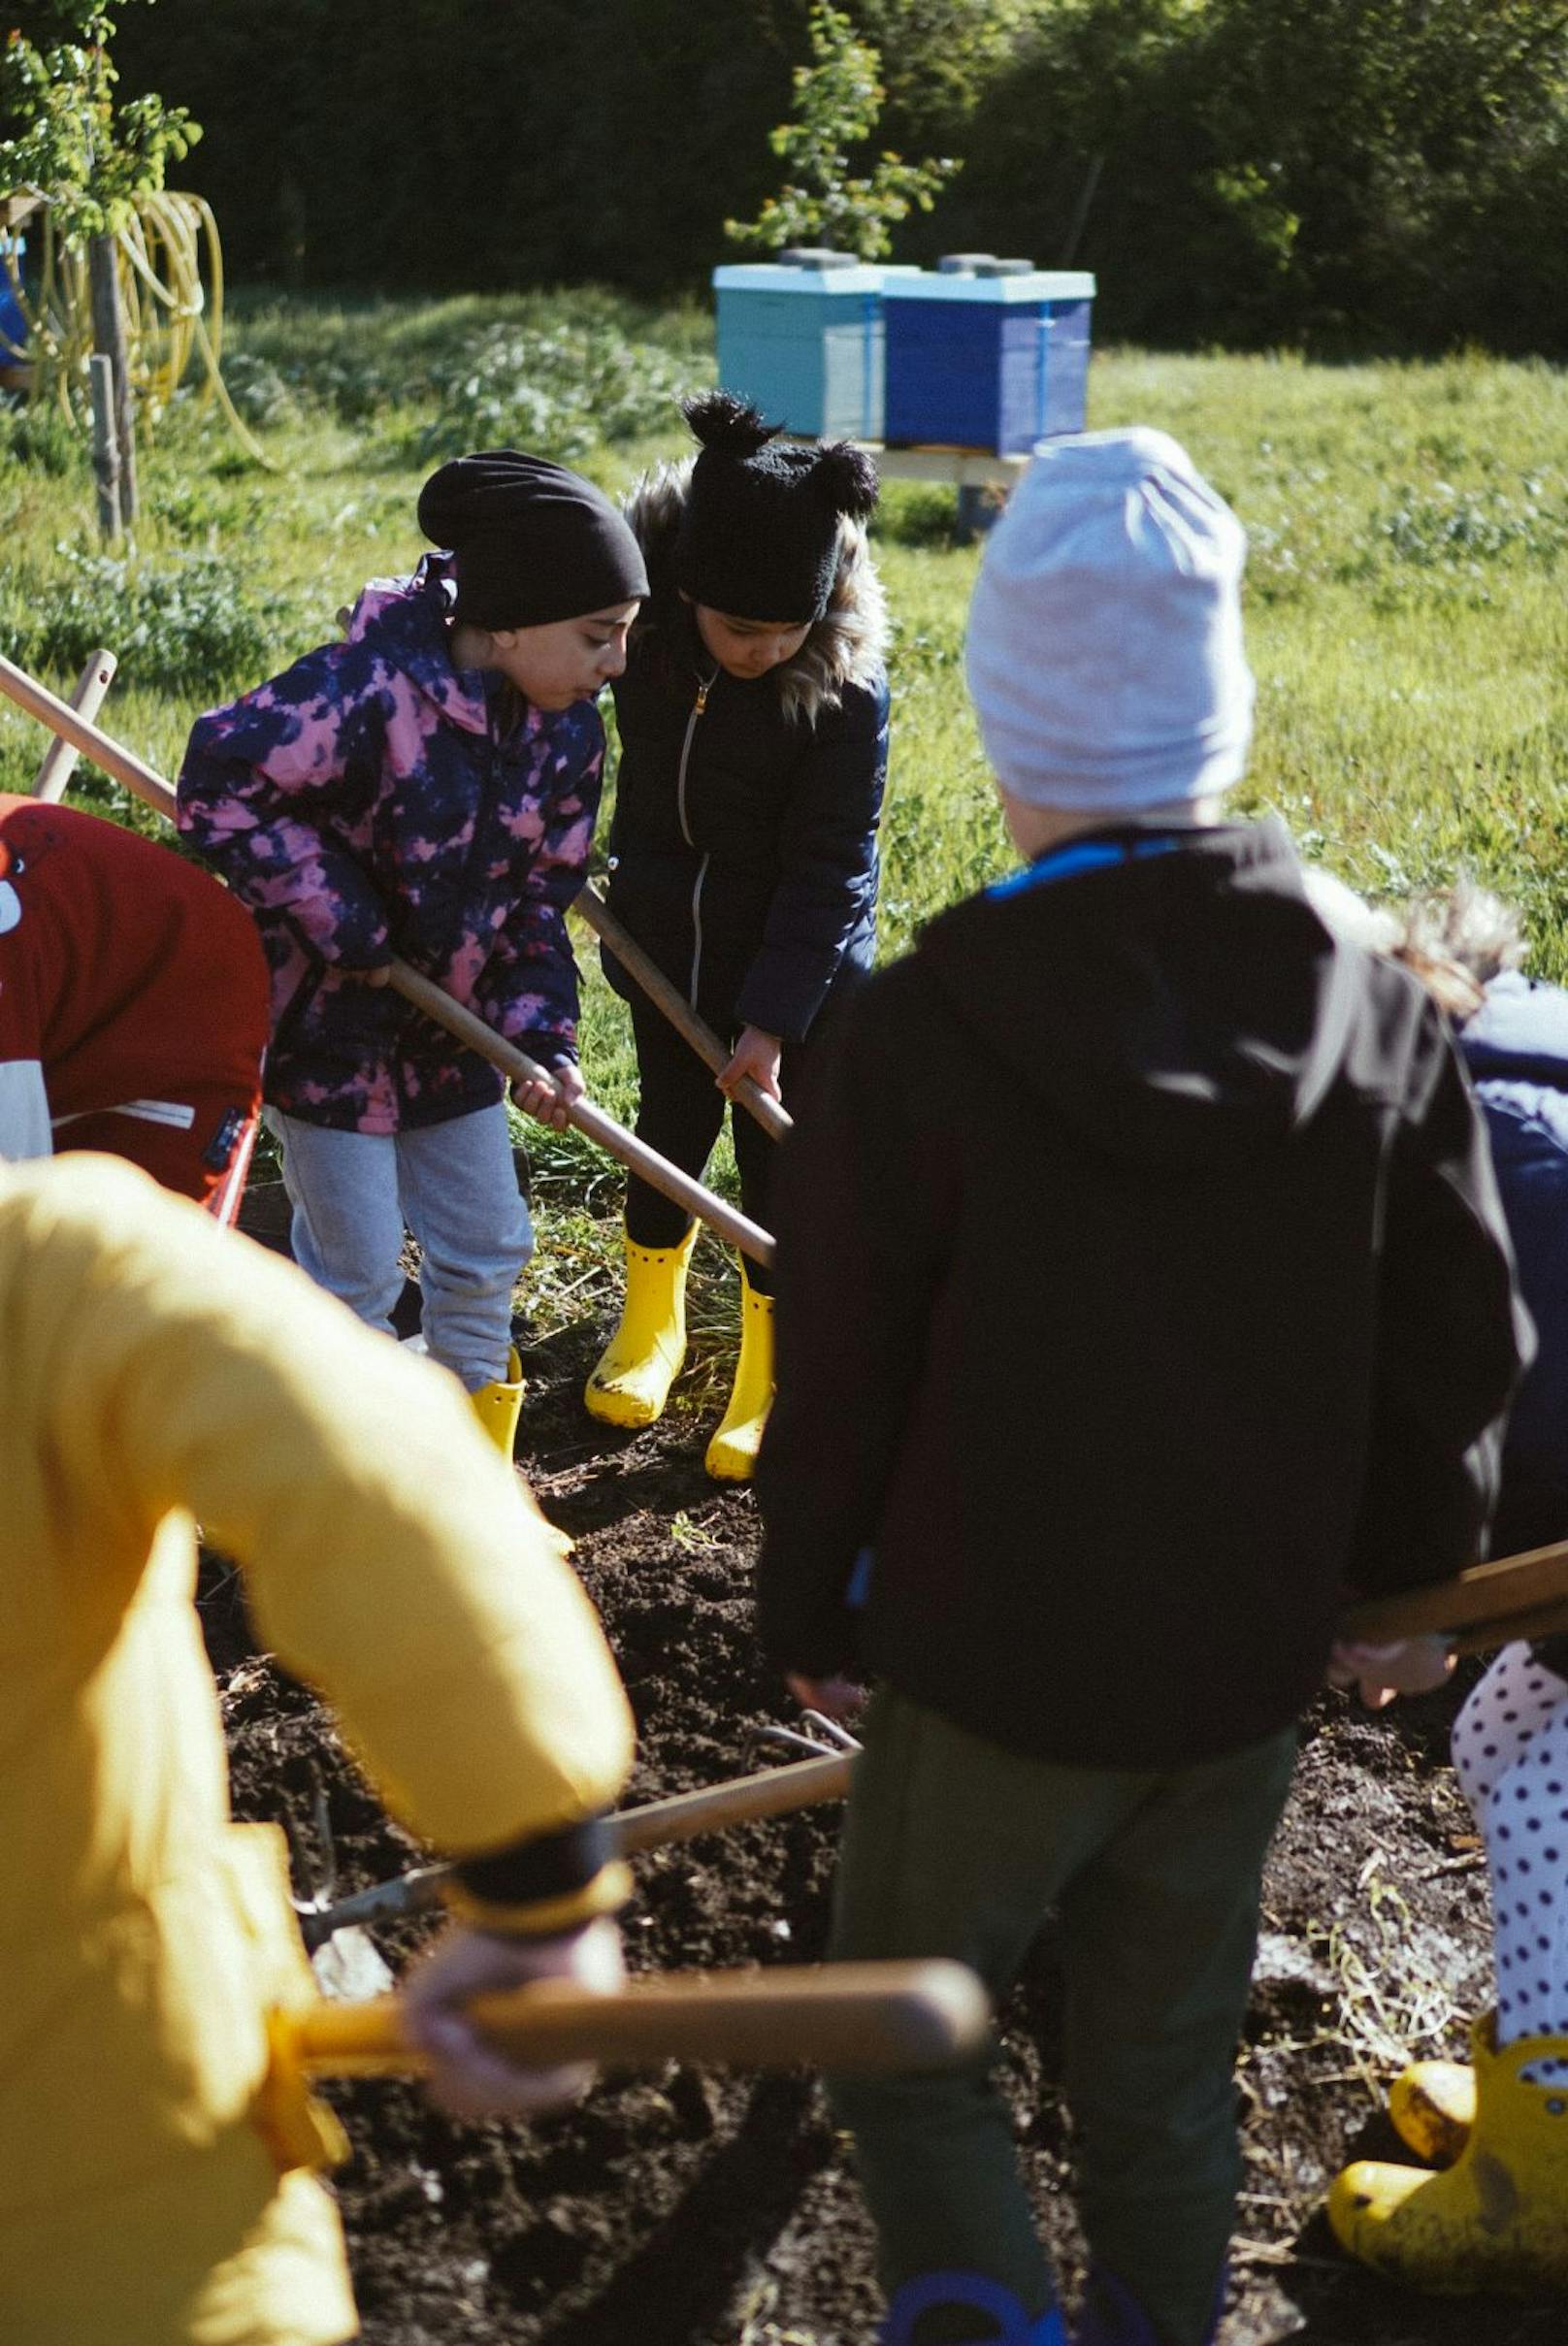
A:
[956,1846]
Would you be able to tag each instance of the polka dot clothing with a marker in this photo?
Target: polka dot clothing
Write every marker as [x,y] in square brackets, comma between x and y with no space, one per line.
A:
[1511,1756]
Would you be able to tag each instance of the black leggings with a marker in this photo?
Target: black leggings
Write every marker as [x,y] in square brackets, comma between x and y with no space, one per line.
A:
[680,1112]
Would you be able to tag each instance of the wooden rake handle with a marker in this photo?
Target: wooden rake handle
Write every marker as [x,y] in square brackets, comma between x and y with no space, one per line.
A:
[1519,1596]
[866,2017]
[725,1221]
[741,1800]
[760,1104]
[150,788]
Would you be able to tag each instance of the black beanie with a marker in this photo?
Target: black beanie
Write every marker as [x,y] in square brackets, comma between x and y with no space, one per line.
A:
[533,543]
[758,538]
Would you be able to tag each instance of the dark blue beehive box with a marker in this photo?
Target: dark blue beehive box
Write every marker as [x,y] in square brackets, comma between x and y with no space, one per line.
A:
[981,361]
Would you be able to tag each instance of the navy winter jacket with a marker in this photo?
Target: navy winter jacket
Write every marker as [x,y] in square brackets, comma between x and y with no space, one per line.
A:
[1515,1048]
[745,838]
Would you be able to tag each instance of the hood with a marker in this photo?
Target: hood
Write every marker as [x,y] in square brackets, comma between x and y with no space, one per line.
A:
[1171,994]
[847,645]
[405,621]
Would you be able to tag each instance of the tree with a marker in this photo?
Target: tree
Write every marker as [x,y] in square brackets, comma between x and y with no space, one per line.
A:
[837,103]
[88,156]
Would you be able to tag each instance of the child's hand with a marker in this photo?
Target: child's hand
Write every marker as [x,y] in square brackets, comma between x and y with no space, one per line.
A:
[469,2076]
[380,975]
[547,1098]
[756,1054]
[1412,1666]
[840,1699]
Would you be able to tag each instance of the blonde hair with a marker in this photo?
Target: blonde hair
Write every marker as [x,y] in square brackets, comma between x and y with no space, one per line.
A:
[1456,939]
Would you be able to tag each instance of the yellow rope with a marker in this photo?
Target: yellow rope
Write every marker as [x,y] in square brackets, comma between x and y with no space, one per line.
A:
[159,257]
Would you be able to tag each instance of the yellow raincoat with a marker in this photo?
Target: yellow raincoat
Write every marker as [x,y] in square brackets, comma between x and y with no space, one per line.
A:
[156,1371]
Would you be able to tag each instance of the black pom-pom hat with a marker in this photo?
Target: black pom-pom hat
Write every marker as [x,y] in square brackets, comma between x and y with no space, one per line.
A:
[761,531]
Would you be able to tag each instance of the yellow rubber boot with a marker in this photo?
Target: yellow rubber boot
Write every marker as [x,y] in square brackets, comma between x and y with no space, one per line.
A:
[631,1383]
[1433,2106]
[499,1406]
[1498,2218]
[731,1454]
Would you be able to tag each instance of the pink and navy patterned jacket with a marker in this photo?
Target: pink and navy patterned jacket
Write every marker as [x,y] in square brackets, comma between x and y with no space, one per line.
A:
[364,805]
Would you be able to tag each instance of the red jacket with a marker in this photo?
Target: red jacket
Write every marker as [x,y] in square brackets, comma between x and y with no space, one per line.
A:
[131,983]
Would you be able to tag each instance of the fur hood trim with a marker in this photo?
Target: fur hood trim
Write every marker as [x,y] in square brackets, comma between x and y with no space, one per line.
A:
[847,645]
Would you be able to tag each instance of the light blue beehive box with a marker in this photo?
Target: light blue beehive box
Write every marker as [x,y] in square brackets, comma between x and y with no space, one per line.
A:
[803,341]
[993,357]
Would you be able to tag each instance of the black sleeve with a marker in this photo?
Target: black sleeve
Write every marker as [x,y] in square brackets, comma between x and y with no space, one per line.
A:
[1452,1337]
[859,1210]
[827,880]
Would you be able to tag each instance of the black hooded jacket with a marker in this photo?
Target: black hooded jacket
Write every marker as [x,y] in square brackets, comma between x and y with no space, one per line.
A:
[1143,1293]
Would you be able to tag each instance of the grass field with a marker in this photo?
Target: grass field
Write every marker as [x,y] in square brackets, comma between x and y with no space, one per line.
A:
[1406,609]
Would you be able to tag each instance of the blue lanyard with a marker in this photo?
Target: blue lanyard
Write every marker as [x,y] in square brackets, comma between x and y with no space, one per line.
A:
[1087,854]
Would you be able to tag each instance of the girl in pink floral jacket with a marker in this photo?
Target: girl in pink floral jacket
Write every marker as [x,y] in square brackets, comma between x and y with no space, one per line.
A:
[426,790]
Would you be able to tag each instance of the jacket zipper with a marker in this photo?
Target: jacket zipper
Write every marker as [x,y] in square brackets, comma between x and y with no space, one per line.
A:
[705,687]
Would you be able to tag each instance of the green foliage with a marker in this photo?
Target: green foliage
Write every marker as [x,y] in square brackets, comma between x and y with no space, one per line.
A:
[1359,172]
[182,625]
[71,141]
[837,102]
[39,436]
[559,391]
[1346,176]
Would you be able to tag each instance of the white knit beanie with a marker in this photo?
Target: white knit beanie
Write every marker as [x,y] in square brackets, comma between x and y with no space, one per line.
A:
[1104,649]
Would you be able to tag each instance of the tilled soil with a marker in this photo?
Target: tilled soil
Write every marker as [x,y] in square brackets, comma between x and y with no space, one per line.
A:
[684,2208]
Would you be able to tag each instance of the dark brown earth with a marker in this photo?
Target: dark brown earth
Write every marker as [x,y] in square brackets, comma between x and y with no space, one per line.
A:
[693,2209]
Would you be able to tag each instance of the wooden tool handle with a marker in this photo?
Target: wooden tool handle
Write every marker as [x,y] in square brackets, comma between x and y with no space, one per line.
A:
[668,998]
[60,758]
[866,2018]
[1482,1597]
[744,1799]
[141,780]
[749,1236]
[62,719]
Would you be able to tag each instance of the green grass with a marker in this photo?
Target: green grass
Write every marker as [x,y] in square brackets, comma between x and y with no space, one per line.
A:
[1406,609]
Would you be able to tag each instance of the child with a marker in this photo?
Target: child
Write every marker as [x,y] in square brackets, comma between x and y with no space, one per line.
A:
[1142,1289]
[133,1003]
[426,790]
[753,719]
[157,2183]
[1501,2119]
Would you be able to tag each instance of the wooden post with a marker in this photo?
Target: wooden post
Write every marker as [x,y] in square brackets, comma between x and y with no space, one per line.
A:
[109,341]
[60,758]
[105,448]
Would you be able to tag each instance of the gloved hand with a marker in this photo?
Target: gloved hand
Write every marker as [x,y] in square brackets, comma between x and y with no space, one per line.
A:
[469,2077]
[1411,1666]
